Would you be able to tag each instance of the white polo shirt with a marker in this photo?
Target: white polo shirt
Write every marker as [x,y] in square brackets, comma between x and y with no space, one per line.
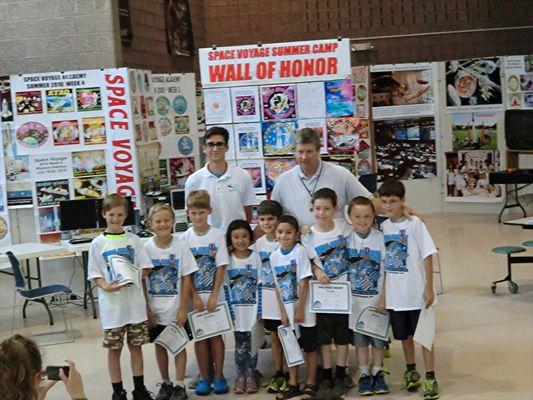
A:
[229,193]
[294,190]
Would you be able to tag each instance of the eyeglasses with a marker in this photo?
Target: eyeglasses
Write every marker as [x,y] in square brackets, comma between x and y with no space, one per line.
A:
[212,145]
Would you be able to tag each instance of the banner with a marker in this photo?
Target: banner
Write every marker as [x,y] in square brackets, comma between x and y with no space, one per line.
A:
[73,138]
[318,60]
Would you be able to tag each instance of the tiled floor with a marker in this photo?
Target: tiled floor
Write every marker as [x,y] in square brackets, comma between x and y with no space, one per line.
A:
[484,343]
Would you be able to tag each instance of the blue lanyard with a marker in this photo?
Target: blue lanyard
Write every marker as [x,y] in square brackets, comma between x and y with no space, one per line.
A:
[316,183]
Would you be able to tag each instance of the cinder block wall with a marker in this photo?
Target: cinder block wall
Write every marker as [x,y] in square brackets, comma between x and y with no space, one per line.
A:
[57,35]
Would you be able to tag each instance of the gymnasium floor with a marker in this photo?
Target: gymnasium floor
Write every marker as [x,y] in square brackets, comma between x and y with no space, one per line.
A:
[484,343]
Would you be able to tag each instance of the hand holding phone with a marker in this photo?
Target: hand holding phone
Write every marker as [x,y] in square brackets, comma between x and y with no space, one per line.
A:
[52,372]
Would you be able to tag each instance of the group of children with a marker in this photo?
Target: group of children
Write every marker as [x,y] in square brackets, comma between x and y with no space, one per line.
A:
[266,284]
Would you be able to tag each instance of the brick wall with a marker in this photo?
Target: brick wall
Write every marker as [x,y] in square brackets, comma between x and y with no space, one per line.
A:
[234,22]
[149,49]
[56,35]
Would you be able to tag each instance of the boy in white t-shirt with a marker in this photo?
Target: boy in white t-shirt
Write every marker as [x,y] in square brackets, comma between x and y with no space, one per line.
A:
[292,269]
[268,213]
[167,293]
[408,281]
[366,249]
[329,239]
[122,307]
[208,246]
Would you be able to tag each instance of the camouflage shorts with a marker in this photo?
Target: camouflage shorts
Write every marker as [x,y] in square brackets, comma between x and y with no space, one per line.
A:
[137,335]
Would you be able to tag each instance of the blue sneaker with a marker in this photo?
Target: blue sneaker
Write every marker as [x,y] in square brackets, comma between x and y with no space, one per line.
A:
[365,385]
[380,386]
[221,386]
[203,388]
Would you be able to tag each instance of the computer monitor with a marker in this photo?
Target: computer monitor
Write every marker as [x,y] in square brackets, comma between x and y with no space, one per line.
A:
[177,200]
[77,214]
[130,219]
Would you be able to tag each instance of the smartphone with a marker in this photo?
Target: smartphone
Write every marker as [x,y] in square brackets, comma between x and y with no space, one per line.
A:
[52,372]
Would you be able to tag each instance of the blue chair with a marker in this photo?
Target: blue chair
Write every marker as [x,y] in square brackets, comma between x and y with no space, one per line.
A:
[37,295]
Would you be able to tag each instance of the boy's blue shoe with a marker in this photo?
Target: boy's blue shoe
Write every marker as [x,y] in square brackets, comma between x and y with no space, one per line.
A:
[203,388]
[221,386]
[380,386]
[365,385]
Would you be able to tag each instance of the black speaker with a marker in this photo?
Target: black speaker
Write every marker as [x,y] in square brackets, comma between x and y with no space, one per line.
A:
[519,129]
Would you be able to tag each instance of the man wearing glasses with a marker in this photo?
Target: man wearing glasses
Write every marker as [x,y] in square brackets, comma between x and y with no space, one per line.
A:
[230,187]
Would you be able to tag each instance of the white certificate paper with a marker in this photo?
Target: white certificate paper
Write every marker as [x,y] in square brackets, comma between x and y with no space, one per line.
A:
[291,347]
[311,100]
[425,329]
[331,298]
[205,324]
[174,338]
[372,322]
[217,104]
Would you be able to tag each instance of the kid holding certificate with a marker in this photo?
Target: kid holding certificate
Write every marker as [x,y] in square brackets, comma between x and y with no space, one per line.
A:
[242,295]
[366,250]
[122,307]
[167,292]
[329,239]
[409,281]
[292,270]
[208,247]
[268,213]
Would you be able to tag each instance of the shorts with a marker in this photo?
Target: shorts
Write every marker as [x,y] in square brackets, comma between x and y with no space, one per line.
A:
[333,327]
[361,341]
[403,323]
[155,331]
[308,338]
[137,335]
[271,325]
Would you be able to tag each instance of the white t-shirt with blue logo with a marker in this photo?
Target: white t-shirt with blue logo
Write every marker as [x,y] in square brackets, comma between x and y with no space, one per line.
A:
[163,283]
[241,286]
[210,252]
[289,269]
[366,258]
[407,243]
[270,306]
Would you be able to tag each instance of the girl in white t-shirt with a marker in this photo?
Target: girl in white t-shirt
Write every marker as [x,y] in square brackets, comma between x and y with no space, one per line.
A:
[167,293]
[242,295]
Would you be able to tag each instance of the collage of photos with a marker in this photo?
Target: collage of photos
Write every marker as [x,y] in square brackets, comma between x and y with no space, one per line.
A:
[405,148]
[467,176]
[264,120]
[519,81]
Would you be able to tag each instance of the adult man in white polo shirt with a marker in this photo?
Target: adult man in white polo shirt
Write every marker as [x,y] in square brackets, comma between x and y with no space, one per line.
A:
[295,187]
[230,187]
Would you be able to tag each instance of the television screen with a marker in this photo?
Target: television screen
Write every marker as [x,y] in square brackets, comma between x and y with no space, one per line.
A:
[519,129]
[77,214]
[177,199]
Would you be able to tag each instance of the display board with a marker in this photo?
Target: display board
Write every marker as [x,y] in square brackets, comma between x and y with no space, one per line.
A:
[263,113]
[474,101]
[73,133]
[519,82]
[178,123]
[6,119]
[403,110]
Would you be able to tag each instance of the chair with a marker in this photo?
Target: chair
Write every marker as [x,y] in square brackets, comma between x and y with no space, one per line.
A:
[508,250]
[38,295]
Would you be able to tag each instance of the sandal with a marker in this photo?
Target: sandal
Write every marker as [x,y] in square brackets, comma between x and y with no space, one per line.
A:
[294,391]
[309,391]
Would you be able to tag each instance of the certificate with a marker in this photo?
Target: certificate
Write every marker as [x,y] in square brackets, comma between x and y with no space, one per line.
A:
[174,338]
[372,322]
[425,329]
[331,298]
[205,324]
[291,347]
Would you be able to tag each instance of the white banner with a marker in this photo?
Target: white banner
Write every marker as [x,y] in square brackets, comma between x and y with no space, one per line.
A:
[318,60]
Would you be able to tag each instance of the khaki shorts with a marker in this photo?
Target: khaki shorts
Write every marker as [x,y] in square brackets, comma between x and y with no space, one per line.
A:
[137,335]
